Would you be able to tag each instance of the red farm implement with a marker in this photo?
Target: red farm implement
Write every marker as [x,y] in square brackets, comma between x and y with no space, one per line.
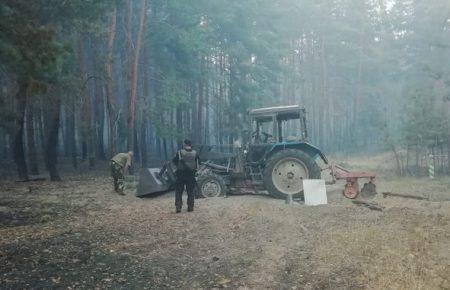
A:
[351,189]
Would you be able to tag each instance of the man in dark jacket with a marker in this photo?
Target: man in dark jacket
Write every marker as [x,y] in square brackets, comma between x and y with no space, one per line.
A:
[187,162]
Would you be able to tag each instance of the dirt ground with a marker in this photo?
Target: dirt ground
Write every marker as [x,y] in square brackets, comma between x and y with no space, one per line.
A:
[79,234]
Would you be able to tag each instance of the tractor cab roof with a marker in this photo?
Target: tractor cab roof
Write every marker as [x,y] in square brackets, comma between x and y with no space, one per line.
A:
[282,113]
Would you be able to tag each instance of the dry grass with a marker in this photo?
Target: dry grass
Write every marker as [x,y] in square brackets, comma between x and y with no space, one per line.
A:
[386,258]
[407,246]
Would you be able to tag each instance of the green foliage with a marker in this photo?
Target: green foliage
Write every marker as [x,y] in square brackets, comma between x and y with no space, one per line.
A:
[350,62]
[30,44]
[27,48]
[425,121]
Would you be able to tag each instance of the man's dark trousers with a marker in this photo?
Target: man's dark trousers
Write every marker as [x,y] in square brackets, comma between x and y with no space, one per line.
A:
[185,179]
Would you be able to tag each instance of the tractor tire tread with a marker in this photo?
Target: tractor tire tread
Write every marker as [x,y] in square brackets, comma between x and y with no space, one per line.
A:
[313,169]
[202,178]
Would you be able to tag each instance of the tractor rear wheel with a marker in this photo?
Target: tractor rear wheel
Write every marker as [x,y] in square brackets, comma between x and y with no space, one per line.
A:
[285,171]
[211,185]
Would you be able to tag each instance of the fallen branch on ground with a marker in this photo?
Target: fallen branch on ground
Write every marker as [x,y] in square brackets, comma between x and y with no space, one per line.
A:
[404,196]
[371,206]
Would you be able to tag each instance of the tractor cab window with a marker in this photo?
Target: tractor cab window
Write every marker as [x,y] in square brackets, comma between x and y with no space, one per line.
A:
[291,127]
[263,131]
[291,130]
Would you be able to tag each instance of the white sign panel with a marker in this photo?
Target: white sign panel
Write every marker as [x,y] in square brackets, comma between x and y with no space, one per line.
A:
[315,191]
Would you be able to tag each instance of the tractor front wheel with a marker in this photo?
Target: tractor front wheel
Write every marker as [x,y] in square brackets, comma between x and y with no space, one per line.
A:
[285,171]
[211,185]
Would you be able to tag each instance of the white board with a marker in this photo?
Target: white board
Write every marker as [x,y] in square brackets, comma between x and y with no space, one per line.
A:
[315,191]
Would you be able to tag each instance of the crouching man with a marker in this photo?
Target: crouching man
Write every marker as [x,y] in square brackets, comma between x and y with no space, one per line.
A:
[120,164]
[187,162]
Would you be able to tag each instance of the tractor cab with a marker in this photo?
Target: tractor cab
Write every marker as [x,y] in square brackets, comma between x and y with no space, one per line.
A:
[275,126]
[278,124]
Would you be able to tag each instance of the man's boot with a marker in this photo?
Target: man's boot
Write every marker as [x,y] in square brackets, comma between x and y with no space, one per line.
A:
[121,188]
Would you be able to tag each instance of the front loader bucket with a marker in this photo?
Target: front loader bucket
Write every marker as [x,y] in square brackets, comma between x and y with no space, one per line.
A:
[150,183]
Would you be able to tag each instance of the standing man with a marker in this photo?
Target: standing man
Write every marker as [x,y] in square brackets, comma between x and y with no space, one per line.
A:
[187,162]
[119,167]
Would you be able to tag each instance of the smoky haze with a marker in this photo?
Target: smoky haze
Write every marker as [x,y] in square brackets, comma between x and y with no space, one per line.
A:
[86,80]
[235,144]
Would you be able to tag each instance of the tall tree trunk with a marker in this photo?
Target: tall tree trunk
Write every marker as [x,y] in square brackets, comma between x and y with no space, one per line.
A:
[206,137]
[86,127]
[179,122]
[398,161]
[32,154]
[166,155]
[194,126]
[65,130]
[200,105]
[221,103]
[144,109]
[232,96]
[71,134]
[84,147]
[144,132]
[136,148]
[199,119]
[18,144]
[100,120]
[98,101]
[4,145]
[158,147]
[52,125]
[134,75]
[41,126]
[323,90]
[111,103]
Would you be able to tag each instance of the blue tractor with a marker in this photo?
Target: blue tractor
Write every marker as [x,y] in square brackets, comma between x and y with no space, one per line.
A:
[275,158]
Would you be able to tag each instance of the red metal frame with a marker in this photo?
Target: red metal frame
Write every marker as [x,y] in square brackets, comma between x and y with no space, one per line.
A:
[351,189]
